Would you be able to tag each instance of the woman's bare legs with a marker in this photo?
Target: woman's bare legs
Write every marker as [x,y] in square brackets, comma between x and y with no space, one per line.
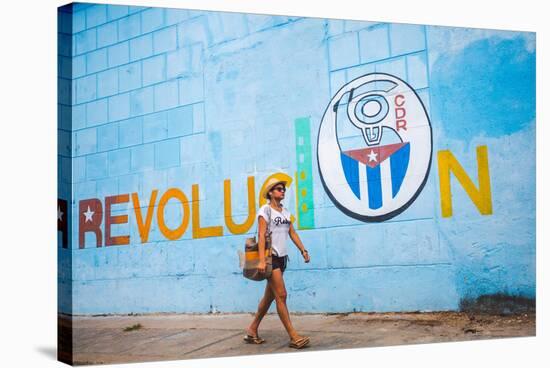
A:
[277,284]
[263,307]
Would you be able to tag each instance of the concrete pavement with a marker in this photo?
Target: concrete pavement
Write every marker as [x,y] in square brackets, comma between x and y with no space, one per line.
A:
[103,339]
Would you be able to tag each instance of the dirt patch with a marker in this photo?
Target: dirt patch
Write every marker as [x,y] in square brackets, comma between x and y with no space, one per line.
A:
[498,304]
[447,323]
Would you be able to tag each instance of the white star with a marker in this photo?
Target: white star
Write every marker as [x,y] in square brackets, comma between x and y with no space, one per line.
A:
[59,214]
[372,156]
[89,215]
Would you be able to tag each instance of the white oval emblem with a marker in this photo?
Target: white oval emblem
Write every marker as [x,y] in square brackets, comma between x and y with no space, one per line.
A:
[374,147]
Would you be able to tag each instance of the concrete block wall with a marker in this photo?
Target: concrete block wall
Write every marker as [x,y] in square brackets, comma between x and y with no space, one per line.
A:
[154,98]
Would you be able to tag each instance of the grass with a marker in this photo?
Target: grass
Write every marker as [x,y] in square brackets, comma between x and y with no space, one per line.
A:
[137,326]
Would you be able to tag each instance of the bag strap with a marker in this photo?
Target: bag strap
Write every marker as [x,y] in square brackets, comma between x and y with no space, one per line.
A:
[268,223]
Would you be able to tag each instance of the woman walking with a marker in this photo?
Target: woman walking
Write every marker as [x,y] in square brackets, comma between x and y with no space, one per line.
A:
[281,228]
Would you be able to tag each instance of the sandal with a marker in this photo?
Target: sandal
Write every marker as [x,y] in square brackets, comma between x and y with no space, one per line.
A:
[300,343]
[253,339]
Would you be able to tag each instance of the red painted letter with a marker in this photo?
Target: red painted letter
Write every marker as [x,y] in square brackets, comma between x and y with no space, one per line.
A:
[62,221]
[90,216]
[400,113]
[110,220]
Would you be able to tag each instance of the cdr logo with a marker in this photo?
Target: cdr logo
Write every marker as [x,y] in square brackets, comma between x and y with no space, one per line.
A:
[374,147]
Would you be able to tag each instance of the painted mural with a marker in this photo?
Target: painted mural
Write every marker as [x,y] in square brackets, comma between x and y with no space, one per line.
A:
[409,151]
[388,168]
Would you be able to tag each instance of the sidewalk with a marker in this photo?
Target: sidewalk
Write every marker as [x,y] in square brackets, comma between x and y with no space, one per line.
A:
[102,339]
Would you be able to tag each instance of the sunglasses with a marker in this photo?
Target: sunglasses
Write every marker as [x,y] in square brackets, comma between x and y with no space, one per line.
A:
[280,189]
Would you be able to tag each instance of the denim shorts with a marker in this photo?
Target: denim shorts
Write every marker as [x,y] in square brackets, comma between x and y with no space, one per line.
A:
[279,262]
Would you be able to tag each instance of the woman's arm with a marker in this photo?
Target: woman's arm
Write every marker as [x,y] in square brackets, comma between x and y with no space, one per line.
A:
[295,238]
[262,227]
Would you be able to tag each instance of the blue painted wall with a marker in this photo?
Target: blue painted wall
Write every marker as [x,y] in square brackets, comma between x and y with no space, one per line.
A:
[153,98]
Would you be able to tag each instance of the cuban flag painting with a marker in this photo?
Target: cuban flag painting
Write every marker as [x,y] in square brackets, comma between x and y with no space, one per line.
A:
[365,167]
[374,147]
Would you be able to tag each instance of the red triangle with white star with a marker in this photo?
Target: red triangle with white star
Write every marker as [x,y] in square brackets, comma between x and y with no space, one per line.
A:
[373,156]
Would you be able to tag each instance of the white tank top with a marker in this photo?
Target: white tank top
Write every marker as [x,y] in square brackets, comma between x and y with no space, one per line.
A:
[280,226]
